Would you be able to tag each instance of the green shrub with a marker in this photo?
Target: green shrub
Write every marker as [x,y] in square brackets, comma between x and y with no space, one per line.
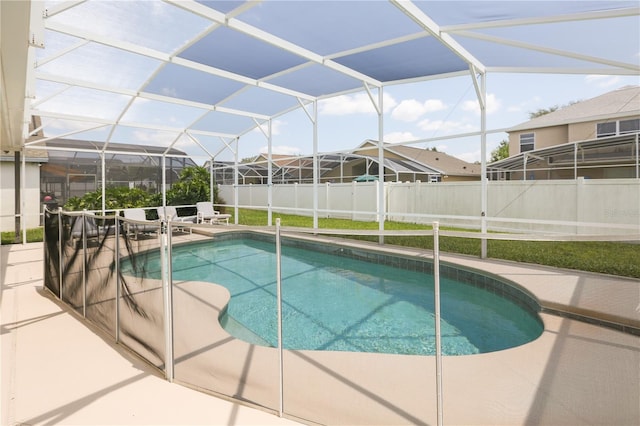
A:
[115,198]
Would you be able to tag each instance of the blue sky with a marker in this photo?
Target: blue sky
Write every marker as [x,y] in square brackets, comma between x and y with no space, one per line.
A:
[432,109]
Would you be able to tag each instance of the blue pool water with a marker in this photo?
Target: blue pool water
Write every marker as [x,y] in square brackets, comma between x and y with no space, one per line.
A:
[337,303]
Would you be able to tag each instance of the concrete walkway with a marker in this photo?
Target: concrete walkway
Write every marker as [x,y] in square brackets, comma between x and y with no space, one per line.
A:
[56,369]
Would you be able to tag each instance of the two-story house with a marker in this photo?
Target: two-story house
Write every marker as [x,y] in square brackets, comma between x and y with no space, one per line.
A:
[596,138]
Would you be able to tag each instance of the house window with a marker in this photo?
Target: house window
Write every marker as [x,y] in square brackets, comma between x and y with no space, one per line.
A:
[618,127]
[629,126]
[526,142]
[606,129]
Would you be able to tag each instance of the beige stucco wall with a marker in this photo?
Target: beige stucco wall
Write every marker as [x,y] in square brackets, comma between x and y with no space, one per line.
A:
[582,131]
[544,137]
[588,129]
[556,135]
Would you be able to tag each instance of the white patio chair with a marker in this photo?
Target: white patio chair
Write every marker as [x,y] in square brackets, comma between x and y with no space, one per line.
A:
[172,215]
[207,214]
[139,228]
[91,229]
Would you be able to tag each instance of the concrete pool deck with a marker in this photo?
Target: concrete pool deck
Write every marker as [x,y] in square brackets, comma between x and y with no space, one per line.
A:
[57,369]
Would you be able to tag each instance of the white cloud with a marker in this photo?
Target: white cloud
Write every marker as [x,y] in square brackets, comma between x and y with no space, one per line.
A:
[432,105]
[447,126]
[603,81]
[281,150]
[276,127]
[66,126]
[493,104]
[154,137]
[169,91]
[469,157]
[410,109]
[394,137]
[353,104]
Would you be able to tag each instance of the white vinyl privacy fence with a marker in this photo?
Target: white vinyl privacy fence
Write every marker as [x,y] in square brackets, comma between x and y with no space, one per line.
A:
[606,206]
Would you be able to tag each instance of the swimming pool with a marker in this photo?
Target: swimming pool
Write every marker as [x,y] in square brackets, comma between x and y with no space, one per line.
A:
[336,299]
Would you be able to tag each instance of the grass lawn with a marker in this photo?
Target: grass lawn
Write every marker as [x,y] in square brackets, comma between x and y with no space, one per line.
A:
[33,235]
[615,258]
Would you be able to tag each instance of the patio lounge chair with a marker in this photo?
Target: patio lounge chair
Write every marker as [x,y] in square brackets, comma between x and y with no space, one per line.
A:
[91,229]
[206,214]
[139,228]
[172,215]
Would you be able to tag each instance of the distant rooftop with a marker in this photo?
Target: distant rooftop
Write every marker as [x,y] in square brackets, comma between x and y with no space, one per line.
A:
[624,101]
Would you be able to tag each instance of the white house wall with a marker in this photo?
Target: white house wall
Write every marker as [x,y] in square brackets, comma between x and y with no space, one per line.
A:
[533,206]
[7,196]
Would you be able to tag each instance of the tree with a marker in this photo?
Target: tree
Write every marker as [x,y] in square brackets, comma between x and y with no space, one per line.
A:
[120,197]
[543,111]
[192,186]
[501,152]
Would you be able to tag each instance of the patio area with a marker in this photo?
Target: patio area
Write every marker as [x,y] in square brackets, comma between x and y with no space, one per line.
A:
[58,369]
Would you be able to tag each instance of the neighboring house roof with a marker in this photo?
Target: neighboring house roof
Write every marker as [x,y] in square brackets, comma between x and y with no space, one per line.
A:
[405,159]
[280,160]
[622,102]
[443,163]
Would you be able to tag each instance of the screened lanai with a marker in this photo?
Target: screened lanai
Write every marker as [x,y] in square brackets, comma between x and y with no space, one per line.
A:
[331,168]
[613,156]
[200,75]
[74,167]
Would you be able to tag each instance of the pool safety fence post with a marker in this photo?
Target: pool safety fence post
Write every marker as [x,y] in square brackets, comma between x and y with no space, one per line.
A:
[436,293]
[60,262]
[47,252]
[170,289]
[84,263]
[279,297]
[166,285]
[118,283]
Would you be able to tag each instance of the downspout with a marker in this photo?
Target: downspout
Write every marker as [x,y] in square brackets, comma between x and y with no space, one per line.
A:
[22,220]
[16,194]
